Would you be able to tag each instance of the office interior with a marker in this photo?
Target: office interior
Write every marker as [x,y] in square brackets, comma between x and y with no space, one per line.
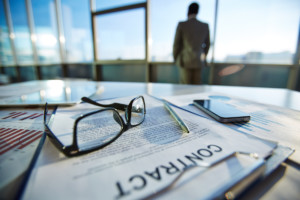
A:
[253,43]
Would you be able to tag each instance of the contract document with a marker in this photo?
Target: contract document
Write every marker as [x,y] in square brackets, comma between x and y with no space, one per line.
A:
[146,159]
[268,122]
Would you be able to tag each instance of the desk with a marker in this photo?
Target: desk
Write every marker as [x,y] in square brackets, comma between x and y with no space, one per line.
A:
[284,182]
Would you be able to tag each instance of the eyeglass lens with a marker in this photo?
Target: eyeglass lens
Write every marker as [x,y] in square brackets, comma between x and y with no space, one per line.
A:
[98,129]
[137,111]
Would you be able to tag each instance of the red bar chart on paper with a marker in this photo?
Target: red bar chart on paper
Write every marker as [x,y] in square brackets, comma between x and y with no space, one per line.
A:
[19,129]
[11,138]
[21,115]
[20,133]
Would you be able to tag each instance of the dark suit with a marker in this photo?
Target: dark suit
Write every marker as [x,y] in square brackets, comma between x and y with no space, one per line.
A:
[191,40]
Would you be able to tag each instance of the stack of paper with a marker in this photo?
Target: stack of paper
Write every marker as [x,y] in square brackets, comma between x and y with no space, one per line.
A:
[150,158]
[20,132]
[267,122]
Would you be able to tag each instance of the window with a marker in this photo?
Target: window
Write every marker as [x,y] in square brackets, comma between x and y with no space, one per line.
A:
[51,72]
[108,4]
[21,33]
[165,16]
[28,73]
[80,71]
[45,31]
[133,73]
[6,54]
[77,30]
[12,73]
[121,35]
[257,31]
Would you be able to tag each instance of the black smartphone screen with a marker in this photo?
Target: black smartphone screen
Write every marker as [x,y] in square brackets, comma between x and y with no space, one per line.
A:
[221,111]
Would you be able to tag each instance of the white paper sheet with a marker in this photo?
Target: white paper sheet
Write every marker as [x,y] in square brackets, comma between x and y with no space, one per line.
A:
[143,160]
[267,122]
[20,132]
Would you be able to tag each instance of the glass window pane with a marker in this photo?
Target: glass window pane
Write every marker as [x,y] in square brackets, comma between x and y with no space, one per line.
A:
[28,73]
[80,71]
[6,54]
[257,31]
[51,72]
[255,76]
[164,23]
[46,31]
[166,74]
[107,4]
[121,35]
[77,30]
[132,73]
[21,32]
[11,72]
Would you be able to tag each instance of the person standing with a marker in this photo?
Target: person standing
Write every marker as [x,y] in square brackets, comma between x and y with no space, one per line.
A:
[191,45]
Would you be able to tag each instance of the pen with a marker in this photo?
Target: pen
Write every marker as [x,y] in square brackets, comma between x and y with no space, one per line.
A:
[176,117]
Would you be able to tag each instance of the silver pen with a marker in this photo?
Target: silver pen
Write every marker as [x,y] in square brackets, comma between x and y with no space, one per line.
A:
[176,117]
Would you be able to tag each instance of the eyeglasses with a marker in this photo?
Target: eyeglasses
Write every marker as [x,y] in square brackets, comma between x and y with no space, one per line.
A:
[97,129]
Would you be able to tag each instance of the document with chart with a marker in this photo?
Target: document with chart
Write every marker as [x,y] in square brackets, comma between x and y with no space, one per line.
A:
[268,122]
[20,132]
[148,158]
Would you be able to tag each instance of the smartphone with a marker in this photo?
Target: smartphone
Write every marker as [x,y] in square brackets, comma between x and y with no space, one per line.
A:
[220,111]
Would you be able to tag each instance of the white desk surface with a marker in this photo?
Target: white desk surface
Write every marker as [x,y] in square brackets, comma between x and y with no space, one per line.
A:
[283,183]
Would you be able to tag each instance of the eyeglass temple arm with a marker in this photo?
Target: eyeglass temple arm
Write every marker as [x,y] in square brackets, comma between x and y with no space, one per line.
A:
[118,106]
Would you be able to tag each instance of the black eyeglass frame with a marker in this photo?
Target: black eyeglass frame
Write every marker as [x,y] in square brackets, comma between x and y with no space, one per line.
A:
[73,149]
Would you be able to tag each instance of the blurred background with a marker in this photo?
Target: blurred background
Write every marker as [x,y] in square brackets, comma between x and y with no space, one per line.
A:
[253,42]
